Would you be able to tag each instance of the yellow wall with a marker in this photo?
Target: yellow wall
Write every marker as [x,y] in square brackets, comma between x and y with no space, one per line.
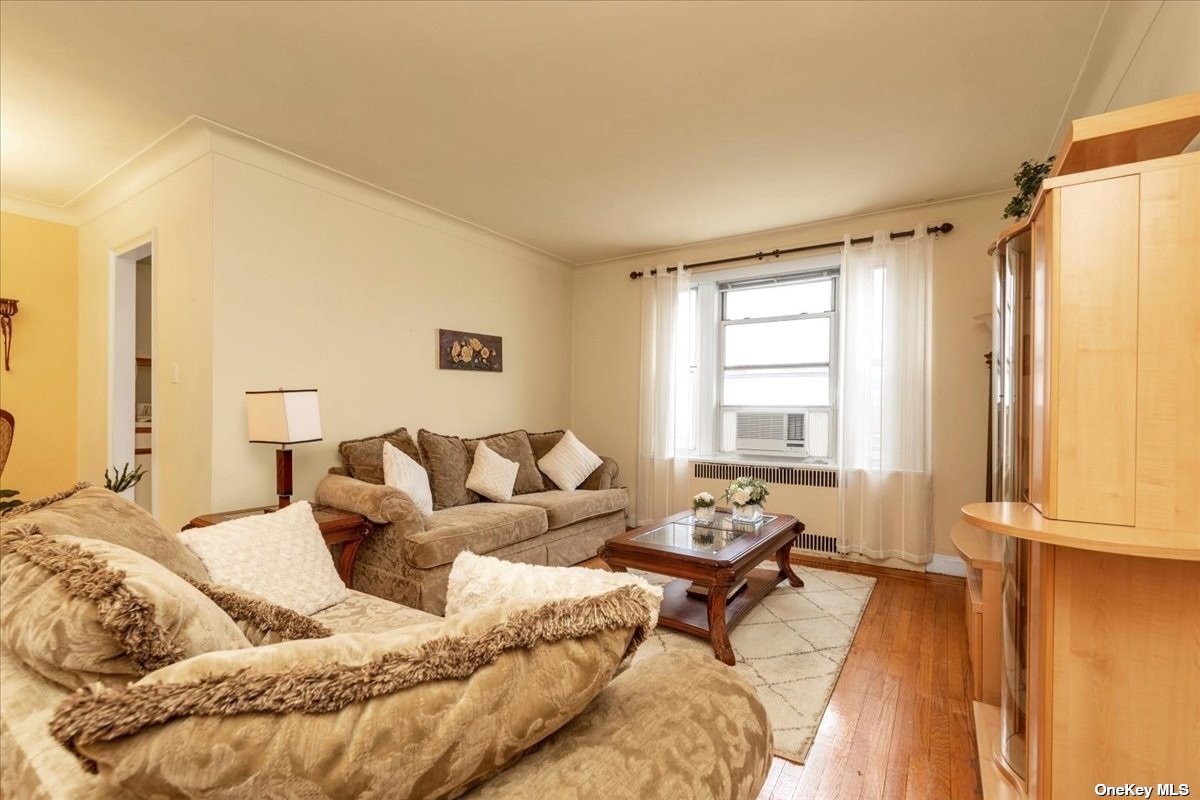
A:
[38,268]
[605,368]
[320,285]
[176,212]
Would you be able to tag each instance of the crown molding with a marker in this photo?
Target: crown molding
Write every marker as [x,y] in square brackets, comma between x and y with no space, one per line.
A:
[198,136]
[11,204]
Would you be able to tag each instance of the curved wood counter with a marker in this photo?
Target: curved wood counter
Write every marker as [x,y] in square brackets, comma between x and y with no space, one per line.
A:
[1024,522]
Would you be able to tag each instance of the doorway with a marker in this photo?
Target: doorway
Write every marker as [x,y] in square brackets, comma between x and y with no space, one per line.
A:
[131,371]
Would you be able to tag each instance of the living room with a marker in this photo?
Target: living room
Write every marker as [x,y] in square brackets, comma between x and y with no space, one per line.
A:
[610,266]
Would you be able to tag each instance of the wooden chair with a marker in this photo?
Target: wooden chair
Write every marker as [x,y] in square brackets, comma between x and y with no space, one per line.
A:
[7,426]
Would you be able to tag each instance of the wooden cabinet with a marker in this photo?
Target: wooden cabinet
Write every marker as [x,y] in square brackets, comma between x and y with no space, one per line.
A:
[1101,642]
[1112,303]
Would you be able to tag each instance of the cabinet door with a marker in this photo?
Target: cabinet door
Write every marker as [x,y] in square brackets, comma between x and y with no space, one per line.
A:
[1094,350]
[1038,392]
[1168,425]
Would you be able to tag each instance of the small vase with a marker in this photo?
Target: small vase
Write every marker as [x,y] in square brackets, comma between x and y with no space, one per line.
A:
[705,513]
[751,512]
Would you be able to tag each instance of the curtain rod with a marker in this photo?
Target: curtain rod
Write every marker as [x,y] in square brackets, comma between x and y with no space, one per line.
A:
[945,227]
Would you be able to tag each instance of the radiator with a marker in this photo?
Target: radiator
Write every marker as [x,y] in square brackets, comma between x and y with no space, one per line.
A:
[824,477]
[815,543]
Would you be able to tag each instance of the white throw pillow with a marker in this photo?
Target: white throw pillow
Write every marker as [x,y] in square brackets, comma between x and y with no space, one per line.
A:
[569,463]
[401,472]
[480,582]
[492,475]
[279,556]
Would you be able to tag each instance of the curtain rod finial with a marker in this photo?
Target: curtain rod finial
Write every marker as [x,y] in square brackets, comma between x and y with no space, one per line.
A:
[633,276]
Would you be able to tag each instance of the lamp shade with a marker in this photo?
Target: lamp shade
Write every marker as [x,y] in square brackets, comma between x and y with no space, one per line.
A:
[283,416]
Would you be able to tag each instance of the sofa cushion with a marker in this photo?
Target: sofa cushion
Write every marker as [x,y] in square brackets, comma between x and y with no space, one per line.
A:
[363,458]
[421,712]
[566,508]
[448,462]
[80,610]
[365,613]
[480,528]
[515,446]
[91,512]
[569,463]
[261,621]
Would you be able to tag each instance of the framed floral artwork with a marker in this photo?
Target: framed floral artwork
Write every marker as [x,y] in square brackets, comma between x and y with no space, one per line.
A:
[471,351]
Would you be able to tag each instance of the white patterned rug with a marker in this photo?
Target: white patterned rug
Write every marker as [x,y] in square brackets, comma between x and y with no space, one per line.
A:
[791,646]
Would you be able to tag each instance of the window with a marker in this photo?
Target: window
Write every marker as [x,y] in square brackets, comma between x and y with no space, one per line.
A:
[764,375]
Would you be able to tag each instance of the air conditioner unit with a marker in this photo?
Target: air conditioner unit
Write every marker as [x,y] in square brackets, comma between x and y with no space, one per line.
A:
[773,431]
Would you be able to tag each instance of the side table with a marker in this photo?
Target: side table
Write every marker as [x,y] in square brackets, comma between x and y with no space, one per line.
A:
[338,527]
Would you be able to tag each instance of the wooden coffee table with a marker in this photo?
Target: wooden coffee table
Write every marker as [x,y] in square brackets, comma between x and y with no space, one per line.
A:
[716,559]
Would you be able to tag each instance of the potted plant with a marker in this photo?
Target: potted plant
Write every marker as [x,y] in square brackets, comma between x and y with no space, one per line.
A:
[1028,178]
[123,479]
[747,496]
[704,506]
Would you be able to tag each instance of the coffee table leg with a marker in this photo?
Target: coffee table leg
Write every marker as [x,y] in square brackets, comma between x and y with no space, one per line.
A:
[717,631]
[783,559]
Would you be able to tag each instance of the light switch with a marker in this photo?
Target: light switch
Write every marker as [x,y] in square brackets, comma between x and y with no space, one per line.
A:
[174,372]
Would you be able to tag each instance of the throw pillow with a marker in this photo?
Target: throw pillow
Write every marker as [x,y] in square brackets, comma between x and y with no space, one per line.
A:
[492,475]
[420,712]
[480,582]
[279,556]
[77,610]
[92,512]
[260,621]
[515,446]
[363,458]
[543,443]
[569,462]
[401,472]
[448,462]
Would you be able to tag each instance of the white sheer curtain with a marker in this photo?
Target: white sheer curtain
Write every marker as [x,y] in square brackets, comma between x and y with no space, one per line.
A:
[885,475]
[665,410]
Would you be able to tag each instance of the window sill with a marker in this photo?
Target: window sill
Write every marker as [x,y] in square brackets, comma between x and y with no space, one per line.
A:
[763,461]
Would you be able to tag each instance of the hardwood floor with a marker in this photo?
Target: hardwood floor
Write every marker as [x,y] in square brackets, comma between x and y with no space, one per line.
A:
[899,724]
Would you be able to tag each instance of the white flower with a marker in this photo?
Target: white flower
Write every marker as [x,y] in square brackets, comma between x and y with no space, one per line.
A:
[741,497]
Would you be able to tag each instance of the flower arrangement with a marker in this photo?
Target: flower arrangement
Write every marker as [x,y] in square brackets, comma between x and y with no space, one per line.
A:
[704,507]
[1028,178]
[747,491]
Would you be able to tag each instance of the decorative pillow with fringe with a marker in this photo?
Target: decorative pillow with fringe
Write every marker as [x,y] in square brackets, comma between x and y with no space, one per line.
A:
[261,621]
[479,582]
[421,712]
[77,611]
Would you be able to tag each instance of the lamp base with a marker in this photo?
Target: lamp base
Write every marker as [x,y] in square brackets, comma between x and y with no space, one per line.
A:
[283,476]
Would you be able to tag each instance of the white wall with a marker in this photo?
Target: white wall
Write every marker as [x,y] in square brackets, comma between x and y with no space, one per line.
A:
[320,285]
[176,209]
[1144,50]
[608,328]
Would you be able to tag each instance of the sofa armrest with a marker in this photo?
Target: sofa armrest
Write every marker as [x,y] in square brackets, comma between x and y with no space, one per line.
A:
[604,477]
[380,504]
[640,738]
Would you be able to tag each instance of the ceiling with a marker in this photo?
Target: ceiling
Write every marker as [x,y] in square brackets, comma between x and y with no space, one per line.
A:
[589,130]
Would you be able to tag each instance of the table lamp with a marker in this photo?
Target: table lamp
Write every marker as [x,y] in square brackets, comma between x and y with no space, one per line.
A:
[283,417]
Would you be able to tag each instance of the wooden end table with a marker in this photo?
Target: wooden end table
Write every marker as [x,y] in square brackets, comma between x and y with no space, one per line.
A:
[716,559]
[338,527]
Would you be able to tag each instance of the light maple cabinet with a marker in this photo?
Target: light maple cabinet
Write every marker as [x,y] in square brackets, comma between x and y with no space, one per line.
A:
[1100,575]
[1115,302]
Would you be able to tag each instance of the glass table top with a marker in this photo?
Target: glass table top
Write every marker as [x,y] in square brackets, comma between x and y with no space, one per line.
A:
[701,537]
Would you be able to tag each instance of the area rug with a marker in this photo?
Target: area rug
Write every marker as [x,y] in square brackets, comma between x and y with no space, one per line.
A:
[791,647]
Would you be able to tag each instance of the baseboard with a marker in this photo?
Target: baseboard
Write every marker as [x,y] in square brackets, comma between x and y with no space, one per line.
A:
[947,565]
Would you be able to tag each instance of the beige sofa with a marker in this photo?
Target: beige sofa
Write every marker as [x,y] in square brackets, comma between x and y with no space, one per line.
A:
[407,558]
[675,725]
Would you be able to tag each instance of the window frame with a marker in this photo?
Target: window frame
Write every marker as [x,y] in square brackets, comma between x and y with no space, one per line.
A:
[831,273]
